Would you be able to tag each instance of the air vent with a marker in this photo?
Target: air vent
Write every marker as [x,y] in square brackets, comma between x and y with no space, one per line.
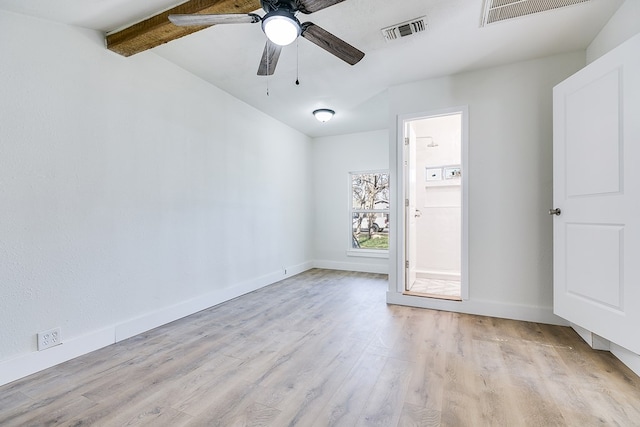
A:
[404,29]
[500,10]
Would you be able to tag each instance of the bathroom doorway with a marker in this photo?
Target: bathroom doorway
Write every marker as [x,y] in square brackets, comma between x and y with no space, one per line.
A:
[434,188]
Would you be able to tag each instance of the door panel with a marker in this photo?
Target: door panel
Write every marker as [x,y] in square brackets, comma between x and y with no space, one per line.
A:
[595,273]
[596,151]
[593,137]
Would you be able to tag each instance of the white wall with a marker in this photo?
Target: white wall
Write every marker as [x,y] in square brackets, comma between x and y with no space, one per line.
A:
[333,158]
[624,24]
[131,193]
[510,182]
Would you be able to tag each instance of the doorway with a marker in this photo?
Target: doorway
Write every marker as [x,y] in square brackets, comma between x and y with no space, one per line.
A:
[434,186]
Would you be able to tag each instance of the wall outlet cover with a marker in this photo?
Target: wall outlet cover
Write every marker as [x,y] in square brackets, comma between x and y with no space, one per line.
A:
[50,338]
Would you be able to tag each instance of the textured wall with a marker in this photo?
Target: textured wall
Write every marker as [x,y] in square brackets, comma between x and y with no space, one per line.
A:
[128,186]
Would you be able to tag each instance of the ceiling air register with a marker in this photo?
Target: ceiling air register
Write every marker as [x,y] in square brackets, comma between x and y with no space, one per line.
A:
[500,10]
[404,29]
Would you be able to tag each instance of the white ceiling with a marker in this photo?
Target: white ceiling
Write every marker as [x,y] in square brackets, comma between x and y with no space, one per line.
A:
[228,55]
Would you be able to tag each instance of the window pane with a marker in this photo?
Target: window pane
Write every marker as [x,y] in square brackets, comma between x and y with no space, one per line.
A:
[370,231]
[370,191]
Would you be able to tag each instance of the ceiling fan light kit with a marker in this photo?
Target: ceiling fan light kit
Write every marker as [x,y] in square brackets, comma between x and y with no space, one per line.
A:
[281,27]
[323,114]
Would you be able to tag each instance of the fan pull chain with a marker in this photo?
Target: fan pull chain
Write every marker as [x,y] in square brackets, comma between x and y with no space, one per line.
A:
[297,63]
[267,70]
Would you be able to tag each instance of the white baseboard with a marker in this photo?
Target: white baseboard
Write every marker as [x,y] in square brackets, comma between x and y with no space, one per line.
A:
[438,275]
[382,268]
[629,358]
[166,315]
[30,363]
[483,308]
[596,342]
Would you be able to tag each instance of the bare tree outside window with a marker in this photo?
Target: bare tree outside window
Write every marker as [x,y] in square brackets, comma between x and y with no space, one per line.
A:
[370,210]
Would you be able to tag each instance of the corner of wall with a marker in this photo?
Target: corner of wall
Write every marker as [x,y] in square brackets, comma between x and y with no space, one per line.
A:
[624,24]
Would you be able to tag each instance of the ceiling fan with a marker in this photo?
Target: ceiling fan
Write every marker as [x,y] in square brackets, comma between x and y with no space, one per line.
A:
[281,28]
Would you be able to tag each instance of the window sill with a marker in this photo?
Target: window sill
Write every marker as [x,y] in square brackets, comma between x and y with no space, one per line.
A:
[368,253]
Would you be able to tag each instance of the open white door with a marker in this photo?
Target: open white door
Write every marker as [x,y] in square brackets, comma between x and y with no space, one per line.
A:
[596,186]
[410,205]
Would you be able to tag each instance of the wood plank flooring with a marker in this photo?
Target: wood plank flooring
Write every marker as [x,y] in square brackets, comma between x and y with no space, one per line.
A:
[323,349]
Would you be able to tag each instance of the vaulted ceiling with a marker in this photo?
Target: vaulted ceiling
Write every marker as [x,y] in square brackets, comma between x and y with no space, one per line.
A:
[227,56]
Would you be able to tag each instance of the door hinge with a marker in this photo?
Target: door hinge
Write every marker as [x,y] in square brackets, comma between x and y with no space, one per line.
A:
[406,264]
[406,202]
[406,141]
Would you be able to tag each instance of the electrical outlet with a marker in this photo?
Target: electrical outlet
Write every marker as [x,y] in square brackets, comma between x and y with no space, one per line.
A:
[49,338]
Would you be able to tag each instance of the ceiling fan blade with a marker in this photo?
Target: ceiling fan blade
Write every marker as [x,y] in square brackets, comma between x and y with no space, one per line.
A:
[202,19]
[310,6]
[269,56]
[331,43]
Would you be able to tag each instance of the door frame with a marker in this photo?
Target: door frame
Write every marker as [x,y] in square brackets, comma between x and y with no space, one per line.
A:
[401,189]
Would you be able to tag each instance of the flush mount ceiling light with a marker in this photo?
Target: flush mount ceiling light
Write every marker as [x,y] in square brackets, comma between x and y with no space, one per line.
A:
[323,114]
[281,27]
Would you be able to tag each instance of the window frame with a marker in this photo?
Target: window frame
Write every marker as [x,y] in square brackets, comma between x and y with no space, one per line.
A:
[365,252]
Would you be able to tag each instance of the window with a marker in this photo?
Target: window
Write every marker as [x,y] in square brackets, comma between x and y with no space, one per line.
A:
[369,211]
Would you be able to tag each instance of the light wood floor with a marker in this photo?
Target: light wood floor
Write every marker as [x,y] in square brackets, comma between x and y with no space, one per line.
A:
[323,349]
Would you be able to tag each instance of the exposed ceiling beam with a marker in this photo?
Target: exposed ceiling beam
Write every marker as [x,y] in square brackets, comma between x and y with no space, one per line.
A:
[158,30]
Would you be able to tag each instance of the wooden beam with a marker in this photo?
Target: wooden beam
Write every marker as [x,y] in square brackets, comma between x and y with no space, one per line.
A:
[158,30]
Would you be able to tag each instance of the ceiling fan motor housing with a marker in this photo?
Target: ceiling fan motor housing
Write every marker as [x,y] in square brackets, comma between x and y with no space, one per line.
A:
[272,5]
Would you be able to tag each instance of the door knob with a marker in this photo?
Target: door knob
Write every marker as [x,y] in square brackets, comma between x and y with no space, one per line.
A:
[555,211]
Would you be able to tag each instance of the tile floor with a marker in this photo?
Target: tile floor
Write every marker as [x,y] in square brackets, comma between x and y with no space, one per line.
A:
[445,288]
